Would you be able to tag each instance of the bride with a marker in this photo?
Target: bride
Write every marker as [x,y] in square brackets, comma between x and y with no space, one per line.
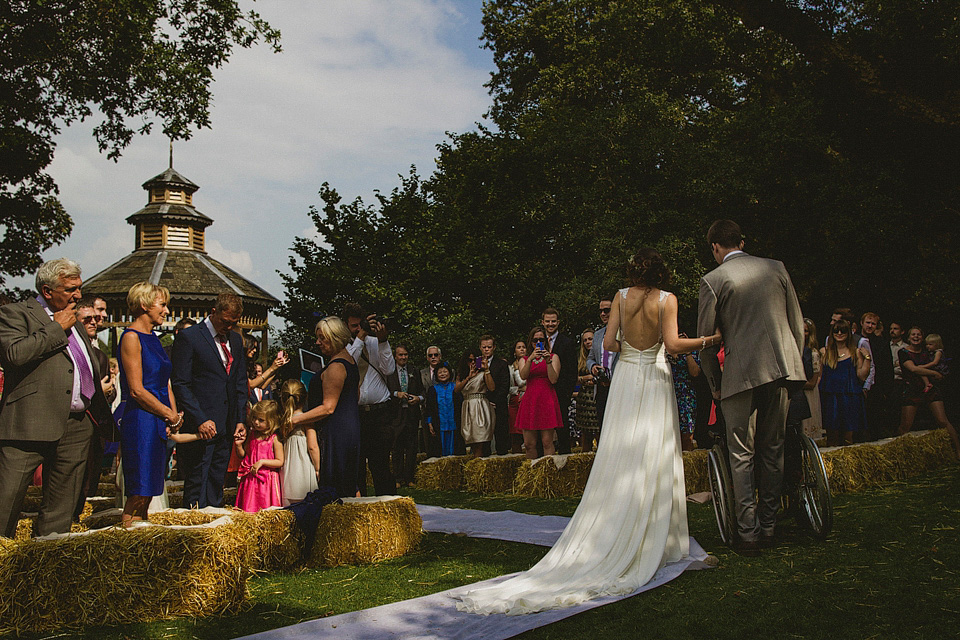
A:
[632,518]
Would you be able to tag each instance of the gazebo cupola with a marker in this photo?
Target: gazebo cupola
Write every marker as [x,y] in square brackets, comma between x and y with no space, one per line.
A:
[169,221]
[169,251]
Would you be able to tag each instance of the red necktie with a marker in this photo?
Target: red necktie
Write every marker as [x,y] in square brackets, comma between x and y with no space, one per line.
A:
[226,352]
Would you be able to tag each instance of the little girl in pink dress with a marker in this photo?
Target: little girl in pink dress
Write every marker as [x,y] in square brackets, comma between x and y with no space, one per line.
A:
[262,454]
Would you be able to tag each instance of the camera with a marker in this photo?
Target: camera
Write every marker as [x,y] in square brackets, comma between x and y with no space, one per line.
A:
[603,376]
[365,325]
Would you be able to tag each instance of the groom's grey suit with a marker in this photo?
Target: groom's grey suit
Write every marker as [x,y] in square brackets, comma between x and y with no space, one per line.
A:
[753,303]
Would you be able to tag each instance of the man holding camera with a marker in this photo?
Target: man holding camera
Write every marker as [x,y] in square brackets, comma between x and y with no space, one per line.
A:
[374,359]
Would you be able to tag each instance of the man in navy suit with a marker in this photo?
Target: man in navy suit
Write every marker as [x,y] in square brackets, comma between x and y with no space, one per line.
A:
[210,384]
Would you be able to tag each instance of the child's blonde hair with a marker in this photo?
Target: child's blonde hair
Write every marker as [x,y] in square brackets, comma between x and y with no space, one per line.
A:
[292,396]
[934,340]
[268,410]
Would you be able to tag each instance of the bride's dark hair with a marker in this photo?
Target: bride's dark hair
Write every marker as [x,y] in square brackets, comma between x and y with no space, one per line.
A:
[647,269]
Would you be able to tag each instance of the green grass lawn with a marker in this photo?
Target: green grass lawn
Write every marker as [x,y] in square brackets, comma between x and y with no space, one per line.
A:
[889,570]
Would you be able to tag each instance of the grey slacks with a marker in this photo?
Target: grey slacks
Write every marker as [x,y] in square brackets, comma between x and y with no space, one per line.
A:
[64,469]
[756,421]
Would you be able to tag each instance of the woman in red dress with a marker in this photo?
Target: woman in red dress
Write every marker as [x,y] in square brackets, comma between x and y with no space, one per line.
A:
[539,413]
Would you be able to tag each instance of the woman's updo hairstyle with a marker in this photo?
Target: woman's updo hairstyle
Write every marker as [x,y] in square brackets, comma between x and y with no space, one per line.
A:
[647,269]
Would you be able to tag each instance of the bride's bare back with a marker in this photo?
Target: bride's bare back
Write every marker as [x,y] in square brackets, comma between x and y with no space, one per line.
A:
[641,317]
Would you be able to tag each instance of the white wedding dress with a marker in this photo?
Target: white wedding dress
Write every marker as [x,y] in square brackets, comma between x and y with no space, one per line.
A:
[632,518]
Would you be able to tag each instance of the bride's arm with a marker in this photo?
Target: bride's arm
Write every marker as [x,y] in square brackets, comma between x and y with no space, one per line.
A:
[610,342]
[671,337]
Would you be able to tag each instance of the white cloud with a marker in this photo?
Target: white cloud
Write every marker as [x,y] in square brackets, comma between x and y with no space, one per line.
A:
[239,261]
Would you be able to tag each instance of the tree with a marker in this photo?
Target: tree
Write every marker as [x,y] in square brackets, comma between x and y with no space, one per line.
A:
[631,123]
[131,62]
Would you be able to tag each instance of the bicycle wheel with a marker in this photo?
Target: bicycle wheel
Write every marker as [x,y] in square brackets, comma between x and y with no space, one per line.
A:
[722,490]
[815,489]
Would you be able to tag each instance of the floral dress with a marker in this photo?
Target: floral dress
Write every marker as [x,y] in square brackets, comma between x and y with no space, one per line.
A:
[686,394]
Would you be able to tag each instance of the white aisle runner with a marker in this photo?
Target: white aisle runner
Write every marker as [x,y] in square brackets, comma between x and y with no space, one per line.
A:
[435,617]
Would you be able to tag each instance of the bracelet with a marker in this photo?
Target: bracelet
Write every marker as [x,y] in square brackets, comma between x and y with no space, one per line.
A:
[703,345]
[177,424]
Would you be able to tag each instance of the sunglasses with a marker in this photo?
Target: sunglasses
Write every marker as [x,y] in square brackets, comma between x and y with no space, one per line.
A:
[604,309]
[92,319]
[839,332]
[433,355]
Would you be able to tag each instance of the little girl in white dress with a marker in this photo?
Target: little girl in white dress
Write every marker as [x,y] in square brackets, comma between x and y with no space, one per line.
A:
[298,476]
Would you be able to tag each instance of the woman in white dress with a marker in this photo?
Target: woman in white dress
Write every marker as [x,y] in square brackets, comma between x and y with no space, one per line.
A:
[632,519]
[298,475]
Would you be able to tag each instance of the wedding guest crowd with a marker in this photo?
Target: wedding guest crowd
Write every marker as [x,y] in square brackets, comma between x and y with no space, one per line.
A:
[370,408]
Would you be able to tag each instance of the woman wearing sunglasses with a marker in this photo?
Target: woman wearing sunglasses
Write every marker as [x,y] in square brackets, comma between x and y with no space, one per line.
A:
[845,367]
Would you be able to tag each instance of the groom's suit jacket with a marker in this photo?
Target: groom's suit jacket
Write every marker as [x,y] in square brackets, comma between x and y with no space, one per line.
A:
[753,303]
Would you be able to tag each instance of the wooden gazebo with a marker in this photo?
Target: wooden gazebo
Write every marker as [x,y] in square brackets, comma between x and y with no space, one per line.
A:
[169,251]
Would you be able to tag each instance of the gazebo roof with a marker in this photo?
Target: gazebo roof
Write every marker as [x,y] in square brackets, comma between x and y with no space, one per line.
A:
[189,275]
[173,177]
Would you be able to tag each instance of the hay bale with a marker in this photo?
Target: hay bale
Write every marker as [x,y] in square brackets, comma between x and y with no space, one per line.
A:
[695,471]
[554,476]
[117,576]
[441,474]
[276,542]
[187,517]
[492,475]
[363,530]
[865,466]
[108,489]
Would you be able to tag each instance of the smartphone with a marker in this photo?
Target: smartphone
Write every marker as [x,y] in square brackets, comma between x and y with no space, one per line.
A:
[540,344]
[479,363]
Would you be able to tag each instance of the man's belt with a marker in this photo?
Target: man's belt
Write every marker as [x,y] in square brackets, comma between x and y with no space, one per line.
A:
[374,407]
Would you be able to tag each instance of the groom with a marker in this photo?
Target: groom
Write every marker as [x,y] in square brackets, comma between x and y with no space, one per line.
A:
[752,302]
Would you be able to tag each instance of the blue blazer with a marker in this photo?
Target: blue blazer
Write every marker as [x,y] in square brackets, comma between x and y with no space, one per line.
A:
[201,385]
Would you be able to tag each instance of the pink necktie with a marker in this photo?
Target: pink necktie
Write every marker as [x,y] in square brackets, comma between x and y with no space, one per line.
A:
[86,376]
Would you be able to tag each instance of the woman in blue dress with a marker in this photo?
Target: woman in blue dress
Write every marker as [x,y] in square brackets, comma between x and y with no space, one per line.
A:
[150,409]
[845,367]
[333,398]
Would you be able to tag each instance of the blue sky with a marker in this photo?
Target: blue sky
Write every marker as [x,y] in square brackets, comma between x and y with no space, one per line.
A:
[362,90]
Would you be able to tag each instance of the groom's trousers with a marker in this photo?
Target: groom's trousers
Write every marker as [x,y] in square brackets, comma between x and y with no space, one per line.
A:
[755,430]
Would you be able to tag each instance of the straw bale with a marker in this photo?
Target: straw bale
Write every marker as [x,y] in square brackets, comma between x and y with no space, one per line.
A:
[854,468]
[183,517]
[276,542]
[442,474]
[107,489]
[695,471]
[492,475]
[117,576]
[546,480]
[363,530]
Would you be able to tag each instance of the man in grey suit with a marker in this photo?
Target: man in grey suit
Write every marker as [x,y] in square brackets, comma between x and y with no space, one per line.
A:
[601,363]
[52,399]
[752,302]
